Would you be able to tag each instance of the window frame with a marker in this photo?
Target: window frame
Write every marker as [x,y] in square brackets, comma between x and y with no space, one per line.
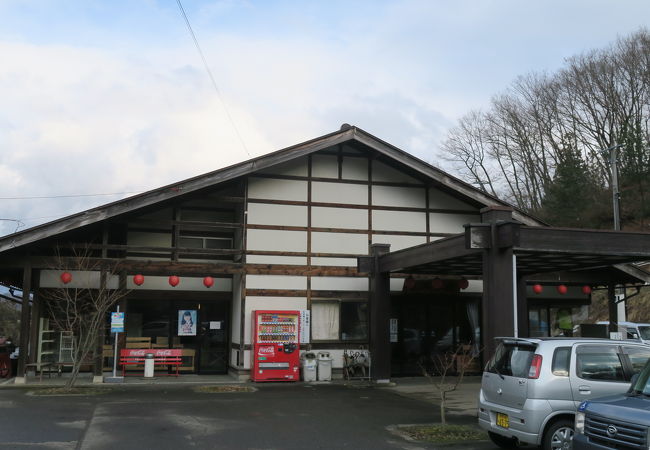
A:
[340,301]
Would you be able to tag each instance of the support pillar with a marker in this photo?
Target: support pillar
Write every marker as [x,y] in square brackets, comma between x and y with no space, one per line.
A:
[379,317]
[500,303]
[24,325]
[612,307]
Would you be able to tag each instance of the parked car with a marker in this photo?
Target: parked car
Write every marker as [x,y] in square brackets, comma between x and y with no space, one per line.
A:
[616,421]
[633,330]
[532,387]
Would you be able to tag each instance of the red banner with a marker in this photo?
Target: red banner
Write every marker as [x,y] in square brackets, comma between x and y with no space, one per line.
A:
[157,352]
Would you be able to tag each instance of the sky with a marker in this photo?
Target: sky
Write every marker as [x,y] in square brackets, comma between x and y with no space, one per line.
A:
[104,99]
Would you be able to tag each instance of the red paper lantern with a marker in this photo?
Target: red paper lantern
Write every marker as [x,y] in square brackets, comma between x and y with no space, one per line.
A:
[586,290]
[537,288]
[208,282]
[174,280]
[66,277]
[463,283]
[562,289]
[409,283]
[138,279]
[437,283]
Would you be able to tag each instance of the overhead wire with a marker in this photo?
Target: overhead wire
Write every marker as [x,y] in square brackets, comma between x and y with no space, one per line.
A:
[214,83]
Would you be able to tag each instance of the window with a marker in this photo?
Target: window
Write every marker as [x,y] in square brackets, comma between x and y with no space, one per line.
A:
[204,242]
[344,320]
[599,363]
[354,321]
[561,361]
[512,360]
[638,357]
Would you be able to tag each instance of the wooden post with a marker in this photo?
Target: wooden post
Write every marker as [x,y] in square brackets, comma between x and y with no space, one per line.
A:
[379,317]
[24,325]
[498,282]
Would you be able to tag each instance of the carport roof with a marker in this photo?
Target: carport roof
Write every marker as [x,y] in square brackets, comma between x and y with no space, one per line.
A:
[538,250]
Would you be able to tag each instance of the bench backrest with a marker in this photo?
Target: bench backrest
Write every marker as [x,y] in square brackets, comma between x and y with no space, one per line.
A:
[157,352]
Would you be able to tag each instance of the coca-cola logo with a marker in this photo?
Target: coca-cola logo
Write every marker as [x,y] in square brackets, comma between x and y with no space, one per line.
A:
[266,351]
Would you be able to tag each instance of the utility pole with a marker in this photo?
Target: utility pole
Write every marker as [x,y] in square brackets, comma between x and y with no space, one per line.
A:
[613,156]
[616,294]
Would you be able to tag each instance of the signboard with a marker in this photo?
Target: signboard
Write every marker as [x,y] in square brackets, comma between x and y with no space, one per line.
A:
[393,330]
[117,322]
[305,325]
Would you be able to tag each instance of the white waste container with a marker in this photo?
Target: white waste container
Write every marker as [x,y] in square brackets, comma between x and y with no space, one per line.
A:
[148,365]
[324,366]
[309,366]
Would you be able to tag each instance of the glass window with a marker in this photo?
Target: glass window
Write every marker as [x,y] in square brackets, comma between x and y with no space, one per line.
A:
[325,321]
[561,361]
[354,321]
[645,332]
[512,360]
[190,242]
[638,357]
[599,363]
[538,321]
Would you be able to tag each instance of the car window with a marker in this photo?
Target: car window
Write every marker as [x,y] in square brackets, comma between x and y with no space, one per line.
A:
[512,360]
[599,362]
[561,361]
[638,357]
[645,332]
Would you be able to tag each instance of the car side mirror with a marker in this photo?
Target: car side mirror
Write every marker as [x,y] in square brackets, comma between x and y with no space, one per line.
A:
[633,381]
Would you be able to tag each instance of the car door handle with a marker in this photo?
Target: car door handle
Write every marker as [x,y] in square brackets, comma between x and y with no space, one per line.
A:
[584,389]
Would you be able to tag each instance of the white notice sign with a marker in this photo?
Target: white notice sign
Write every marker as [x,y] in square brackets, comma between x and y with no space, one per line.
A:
[215,325]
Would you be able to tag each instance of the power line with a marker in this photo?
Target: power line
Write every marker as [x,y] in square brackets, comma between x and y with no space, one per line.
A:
[214,83]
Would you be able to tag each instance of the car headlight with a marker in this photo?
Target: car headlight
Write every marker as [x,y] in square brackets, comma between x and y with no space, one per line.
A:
[580,423]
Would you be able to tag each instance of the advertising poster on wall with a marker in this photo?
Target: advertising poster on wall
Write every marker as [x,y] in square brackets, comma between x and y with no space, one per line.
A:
[187,322]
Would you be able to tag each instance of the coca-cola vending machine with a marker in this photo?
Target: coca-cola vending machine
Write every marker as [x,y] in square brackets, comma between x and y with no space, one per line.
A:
[276,346]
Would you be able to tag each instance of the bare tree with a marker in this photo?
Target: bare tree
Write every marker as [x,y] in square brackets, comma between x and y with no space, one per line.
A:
[444,365]
[81,309]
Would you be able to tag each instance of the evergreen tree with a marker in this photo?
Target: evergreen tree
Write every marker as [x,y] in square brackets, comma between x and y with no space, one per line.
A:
[571,197]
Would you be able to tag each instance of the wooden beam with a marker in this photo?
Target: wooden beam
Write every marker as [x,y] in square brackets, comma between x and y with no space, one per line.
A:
[440,250]
[584,242]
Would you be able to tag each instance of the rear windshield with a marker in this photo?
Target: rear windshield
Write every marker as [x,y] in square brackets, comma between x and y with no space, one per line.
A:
[511,359]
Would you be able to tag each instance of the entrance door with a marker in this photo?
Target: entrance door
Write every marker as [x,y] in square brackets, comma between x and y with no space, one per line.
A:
[212,338]
[209,337]
[429,326]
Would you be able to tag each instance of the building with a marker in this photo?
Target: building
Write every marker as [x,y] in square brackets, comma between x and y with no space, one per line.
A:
[292,230]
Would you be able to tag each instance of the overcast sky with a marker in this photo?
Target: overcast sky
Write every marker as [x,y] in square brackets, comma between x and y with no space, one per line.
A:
[111,96]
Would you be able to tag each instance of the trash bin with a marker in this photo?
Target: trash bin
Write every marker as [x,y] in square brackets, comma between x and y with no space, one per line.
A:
[309,365]
[324,366]
[148,365]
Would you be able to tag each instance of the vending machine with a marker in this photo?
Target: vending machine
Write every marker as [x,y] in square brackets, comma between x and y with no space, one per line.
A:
[276,346]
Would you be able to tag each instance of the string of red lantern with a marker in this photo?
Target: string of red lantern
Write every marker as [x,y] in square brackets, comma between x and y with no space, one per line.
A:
[561,289]
[208,282]
[138,279]
[174,280]
[66,277]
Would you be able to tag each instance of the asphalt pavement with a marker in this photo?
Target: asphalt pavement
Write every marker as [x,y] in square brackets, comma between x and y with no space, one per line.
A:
[171,414]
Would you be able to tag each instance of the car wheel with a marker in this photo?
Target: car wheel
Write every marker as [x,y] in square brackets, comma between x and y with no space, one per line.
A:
[559,436]
[502,441]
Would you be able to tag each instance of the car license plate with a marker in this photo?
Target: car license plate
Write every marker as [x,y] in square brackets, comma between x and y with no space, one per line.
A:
[502,420]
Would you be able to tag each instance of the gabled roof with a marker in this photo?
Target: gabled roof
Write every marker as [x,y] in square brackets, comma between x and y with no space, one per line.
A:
[347,133]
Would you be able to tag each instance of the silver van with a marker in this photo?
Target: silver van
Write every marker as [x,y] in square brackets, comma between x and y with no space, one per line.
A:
[532,387]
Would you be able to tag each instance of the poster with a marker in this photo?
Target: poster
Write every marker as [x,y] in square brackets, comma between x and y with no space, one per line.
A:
[187,322]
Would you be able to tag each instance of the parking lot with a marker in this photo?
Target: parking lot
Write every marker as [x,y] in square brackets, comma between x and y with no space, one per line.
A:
[275,416]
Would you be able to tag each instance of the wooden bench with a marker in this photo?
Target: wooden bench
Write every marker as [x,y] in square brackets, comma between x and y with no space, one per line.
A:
[169,357]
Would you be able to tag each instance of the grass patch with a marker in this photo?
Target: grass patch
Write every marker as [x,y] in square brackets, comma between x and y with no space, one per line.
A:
[63,391]
[223,388]
[443,433]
